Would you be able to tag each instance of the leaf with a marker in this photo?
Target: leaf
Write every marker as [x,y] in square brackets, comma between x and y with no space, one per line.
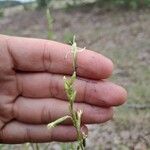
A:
[57,122]
[50,23]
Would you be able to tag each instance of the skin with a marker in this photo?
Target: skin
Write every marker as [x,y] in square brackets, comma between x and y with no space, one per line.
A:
[32,89]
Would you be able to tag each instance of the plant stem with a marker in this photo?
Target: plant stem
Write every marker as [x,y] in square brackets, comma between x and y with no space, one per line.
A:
[75,115]
[50,23]
[37,146]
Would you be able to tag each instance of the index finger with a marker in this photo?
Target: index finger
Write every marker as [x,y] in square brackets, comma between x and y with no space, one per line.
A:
[49,56]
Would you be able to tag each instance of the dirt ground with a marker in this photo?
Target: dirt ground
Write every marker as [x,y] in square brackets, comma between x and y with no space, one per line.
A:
[123,36]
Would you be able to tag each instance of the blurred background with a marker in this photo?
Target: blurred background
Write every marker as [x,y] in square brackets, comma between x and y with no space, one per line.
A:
[118,29]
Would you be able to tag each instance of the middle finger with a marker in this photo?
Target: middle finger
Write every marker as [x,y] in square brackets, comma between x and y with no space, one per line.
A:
[95,92]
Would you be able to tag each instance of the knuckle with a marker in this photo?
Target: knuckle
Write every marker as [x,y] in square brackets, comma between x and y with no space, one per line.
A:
[15,110]
[6,113]
[3,136]
[28,135]
[46,115]
[6,59]
[47,57]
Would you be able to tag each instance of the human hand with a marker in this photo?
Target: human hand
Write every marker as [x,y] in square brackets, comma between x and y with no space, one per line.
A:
[32,89]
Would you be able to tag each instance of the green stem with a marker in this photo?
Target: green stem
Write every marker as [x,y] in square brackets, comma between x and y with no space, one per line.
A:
[71,96]
[37,146]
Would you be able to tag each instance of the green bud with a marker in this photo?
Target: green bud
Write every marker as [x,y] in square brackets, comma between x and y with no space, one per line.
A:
[66,86]
[73,96]
[73,78]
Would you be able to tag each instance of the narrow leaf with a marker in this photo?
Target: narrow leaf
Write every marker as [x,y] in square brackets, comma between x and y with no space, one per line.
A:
[50,23]
[57,122]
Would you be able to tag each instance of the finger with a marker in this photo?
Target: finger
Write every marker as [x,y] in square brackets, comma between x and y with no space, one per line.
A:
[47,110]
[16,132]
[43,55]
[46,85]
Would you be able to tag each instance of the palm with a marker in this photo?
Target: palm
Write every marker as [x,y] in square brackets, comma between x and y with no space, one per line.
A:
[32,90]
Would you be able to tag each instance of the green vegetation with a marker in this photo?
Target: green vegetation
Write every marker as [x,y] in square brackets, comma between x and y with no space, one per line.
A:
[130,4]
[1,13]
[9,3]
[1,146]
[68,38]
[50,24]
[134,4]
[42,3]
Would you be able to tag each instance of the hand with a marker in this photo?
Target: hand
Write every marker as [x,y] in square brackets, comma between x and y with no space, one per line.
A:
[32,89]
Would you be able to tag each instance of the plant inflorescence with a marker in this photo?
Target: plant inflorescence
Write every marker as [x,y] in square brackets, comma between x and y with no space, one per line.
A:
[75,115]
